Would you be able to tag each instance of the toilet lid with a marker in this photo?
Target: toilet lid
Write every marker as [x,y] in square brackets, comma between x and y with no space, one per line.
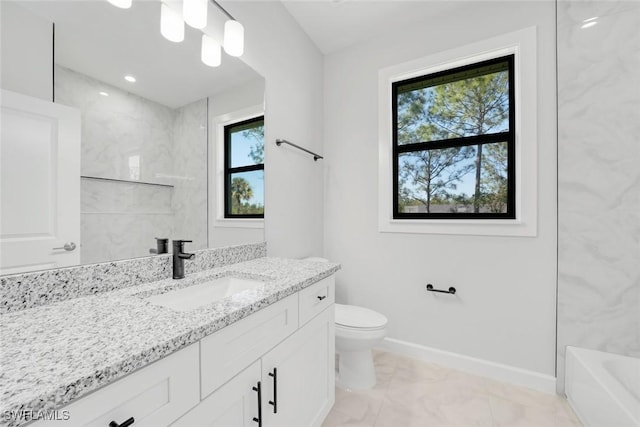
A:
[358,317]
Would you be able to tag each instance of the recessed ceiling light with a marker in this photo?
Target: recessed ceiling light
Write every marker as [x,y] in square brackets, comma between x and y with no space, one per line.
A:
[130,79]
[104,94]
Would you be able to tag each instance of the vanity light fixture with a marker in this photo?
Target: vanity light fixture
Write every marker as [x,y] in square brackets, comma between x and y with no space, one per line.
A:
[233,33]
[195,13]
[122,4]
[130,79]
[171,24]
[589,22]
[211,53]
[233,38]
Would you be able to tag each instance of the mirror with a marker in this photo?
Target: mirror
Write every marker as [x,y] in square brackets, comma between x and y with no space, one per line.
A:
[152,152]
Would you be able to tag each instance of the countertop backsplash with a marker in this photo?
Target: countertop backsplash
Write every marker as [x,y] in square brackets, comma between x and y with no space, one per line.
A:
[28,290]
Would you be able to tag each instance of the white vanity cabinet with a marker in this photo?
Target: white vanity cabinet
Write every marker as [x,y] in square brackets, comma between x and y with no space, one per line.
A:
[293,377]
[301,392]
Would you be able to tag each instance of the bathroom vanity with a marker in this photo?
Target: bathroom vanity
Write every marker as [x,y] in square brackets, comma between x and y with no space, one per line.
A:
[260,355]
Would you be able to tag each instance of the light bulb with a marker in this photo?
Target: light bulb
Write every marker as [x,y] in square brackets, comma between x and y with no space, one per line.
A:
[211,53]
[233,38]
[171,24]
[195,13]
[122,4]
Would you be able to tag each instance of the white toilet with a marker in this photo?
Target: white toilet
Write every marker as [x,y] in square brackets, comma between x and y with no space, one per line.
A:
[358,329]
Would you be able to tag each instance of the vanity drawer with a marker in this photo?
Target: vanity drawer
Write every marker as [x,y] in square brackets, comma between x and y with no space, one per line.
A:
[230,350]
[154,396]
[316,298]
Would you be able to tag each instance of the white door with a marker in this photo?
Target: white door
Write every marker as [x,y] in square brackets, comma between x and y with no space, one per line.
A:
[235,404]
[301,393]
[39,184]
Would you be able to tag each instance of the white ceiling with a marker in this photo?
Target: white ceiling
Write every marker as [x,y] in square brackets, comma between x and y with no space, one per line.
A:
[106,43]
[336,24]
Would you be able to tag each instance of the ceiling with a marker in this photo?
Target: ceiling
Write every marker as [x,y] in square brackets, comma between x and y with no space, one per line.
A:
[337,24]
[106,43]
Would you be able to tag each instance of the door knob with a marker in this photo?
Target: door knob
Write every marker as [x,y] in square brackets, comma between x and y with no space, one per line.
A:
[70,246]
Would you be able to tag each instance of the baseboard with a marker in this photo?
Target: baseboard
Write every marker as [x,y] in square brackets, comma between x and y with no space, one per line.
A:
[472,365]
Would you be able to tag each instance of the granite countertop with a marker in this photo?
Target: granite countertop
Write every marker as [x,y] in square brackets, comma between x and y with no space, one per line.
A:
[53,354]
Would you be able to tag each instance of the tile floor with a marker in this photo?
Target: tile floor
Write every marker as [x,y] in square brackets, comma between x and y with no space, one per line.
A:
[411,393]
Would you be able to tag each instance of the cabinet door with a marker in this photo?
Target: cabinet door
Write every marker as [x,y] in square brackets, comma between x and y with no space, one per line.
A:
[302,391]
[235,404]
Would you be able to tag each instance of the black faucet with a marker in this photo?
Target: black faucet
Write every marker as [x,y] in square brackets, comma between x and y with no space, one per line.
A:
[178,258]
[162,246]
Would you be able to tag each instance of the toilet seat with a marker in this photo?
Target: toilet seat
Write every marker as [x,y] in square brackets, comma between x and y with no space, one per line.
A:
[351,317]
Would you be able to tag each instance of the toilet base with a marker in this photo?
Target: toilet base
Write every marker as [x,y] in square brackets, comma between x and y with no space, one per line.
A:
[356,370]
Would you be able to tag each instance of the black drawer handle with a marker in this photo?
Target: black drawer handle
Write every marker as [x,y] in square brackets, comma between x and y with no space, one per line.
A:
[124,424]
[321,297]
[274,402]
[259,418]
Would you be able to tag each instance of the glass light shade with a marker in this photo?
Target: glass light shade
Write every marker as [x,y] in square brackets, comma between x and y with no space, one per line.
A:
[171,24]
[233,38]
[211,52]
[194,13]
[122,4]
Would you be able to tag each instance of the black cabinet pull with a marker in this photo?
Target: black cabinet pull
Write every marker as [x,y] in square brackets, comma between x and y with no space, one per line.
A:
[274,402]
[124,424]
[321,297]
[259,418]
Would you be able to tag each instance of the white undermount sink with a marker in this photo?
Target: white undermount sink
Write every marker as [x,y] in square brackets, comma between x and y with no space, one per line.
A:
[195,296]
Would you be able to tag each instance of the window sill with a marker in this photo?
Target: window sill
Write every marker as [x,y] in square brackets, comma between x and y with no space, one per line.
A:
[239,222]
[467,227]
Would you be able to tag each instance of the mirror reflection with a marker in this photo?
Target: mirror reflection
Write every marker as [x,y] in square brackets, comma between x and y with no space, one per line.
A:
[170,148]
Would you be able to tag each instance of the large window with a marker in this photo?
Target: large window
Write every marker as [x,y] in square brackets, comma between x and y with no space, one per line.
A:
[454,143]
[244,169]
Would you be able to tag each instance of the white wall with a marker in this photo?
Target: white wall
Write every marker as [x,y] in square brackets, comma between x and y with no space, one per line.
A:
[291,64]
[222,104]
[27,58]
[599,178]
[504,311]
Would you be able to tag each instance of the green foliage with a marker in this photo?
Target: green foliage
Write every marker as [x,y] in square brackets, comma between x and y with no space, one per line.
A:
[257,150]
[241,193]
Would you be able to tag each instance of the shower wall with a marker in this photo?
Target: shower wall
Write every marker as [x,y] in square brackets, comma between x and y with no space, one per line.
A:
[598,178]
[140,163]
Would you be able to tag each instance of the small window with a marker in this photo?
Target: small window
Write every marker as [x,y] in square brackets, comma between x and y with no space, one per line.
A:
[454,143]
[244,169]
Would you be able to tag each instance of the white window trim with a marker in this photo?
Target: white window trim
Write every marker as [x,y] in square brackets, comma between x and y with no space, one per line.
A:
[521,43]
[216,158]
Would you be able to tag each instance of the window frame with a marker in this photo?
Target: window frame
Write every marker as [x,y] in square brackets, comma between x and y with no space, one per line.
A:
[229,170]
[530,67]
[509,137]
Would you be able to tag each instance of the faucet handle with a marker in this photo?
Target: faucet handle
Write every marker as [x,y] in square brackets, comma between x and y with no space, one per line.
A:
[178,245]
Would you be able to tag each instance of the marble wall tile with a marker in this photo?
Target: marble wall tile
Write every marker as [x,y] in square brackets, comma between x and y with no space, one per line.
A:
[598,178]
[109,237]
[98,196]
[118,128]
